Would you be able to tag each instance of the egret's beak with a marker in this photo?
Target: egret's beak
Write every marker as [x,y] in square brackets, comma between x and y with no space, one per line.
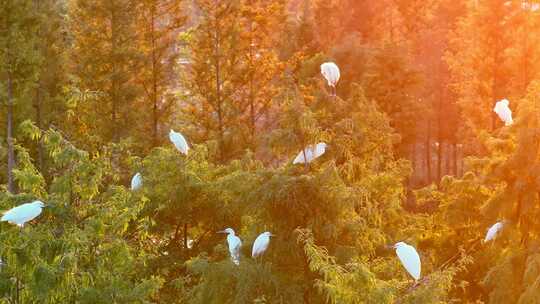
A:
[222,231]
[272,234]
[390,246]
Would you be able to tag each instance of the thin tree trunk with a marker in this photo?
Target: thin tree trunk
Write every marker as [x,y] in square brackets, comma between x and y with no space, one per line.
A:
[428,152]
[39,123]
[11,149]
[251,89]
[413,158]
[526,53]
[454,159]
[218,87]
[114,84]
[496,79]
[185,236]
[439,155]
[155,114]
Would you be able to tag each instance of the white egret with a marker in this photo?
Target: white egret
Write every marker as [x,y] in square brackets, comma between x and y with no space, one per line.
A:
[311,153]
[503,111]
[261,244]
[409,259]
[331,73]
[493,231]
[179,141]
[136,181]
[24,213]
[234,245]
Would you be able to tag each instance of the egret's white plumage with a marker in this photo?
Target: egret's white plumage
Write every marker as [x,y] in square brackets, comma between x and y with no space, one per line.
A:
[234,245]
[136,181]
[331,73]
[179,141]
[24,213]
[311,153]
[503,111]
[493,231]
[409,259]
[261,244]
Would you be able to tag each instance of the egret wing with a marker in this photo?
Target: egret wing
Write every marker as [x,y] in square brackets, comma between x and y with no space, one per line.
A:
[260,245]
[136,181]
[492,232]
[331,73]
[320,150]
[410,260]
[311,153]
[234,248]
[21,214]
[179,142]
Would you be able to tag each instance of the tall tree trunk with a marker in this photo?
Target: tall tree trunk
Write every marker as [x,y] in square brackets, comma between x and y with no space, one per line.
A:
[155,114]
[454,159]
[413,158]
[185,236]
[39,123]
[38,102]
[525,54]
[11,149]
[251,90]
[440,144]
[496,83]
[428,151]
[218,87]
[114,85]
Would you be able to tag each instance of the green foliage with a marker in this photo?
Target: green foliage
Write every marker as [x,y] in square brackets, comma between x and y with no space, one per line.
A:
[82,249]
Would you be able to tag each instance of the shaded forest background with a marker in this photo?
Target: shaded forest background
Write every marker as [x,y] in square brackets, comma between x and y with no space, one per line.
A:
[91,88]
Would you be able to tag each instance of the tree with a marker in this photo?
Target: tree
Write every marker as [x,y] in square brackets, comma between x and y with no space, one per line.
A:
[477,64]
[104,59]
[48,99]
[87,246]
[215,70]
[18,60]
[262,67]
[159,24]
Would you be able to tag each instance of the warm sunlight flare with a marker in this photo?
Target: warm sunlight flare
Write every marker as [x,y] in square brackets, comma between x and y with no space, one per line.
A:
[270,152]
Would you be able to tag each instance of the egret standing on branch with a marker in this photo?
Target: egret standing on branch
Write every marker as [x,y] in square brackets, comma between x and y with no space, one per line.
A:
[261,244]
[24,213]
[234,245]
[503,111]
[409,259]
[310,153]
[493,231]
[179,141]
[330,72]
[136,181]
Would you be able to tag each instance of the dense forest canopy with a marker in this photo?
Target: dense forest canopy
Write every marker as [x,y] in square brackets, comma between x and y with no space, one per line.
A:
[256,151]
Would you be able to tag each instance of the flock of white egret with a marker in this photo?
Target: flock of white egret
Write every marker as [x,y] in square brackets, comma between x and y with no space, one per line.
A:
[407,254]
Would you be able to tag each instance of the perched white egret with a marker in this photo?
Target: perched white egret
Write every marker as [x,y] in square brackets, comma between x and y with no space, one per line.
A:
[311,153]
[136,181]
[331,73]
[261,244]
[503,111]
[493,231]
[24,213]
[179,141]
[190,243]
[234,245]
[409,259]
